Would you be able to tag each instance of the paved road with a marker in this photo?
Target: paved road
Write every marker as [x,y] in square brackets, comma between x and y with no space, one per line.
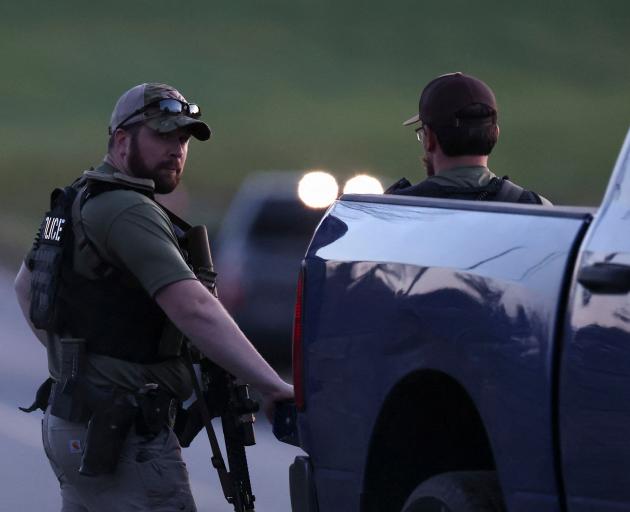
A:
[26,481]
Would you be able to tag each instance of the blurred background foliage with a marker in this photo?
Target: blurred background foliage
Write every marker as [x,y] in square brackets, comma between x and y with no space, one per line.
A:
[308,84]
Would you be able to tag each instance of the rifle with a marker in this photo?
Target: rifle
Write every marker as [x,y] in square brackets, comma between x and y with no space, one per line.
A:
[218,395]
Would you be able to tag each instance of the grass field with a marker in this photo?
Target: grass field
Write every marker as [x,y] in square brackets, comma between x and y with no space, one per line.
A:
[309,84]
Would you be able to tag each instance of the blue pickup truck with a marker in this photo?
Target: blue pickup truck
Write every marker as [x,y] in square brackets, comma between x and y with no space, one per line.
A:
[464,356]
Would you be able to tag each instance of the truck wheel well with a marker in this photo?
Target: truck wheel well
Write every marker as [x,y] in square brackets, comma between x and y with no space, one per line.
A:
[428,425]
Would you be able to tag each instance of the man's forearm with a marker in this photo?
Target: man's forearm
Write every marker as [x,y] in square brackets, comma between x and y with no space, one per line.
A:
[202,318]
[22,287]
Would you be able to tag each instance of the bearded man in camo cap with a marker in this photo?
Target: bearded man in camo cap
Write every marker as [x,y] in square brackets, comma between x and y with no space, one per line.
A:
[108,290]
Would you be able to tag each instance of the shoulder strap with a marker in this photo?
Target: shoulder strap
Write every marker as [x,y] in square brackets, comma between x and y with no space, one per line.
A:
[175,219]
[118,180]
[98,182]
[93,183]
[490,190]
[401,184]
[509,192]
[94,261]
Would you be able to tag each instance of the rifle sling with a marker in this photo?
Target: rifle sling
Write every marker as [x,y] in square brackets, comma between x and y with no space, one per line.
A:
[217,458]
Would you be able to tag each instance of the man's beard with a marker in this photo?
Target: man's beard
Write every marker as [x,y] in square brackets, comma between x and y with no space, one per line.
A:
[165,181]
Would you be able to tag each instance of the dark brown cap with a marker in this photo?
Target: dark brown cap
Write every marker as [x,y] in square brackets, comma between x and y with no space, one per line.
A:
[446,95]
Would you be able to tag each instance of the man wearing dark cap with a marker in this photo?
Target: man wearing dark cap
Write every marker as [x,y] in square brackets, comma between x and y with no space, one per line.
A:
[107,288]
[457,127]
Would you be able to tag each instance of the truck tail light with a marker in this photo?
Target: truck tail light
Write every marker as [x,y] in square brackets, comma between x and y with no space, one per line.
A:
[298,361]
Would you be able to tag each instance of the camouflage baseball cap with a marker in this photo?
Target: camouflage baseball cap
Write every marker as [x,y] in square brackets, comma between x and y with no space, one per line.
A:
[131,108]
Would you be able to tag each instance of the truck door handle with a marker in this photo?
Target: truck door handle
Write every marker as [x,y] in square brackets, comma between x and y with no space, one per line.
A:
[603,277]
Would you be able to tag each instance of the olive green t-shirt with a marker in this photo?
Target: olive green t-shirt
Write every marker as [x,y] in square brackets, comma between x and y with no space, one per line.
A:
[131,232]
[472,176]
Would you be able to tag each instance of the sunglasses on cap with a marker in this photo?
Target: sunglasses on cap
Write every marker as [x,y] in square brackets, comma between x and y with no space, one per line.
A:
[165,106]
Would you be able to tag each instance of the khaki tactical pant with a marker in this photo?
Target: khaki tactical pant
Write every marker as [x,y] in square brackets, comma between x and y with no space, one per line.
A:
[150,476]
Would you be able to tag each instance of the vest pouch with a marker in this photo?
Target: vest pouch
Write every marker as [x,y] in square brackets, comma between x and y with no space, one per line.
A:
[52,245]
[68,395]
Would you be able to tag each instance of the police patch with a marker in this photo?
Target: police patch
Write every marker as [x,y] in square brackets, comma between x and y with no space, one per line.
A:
[52,229]
[51,248]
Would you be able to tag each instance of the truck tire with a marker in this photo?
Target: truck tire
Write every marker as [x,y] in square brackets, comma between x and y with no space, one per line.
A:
[459,491]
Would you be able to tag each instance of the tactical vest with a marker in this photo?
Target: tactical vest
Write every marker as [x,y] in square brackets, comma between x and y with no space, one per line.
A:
[111,311]
[498,189]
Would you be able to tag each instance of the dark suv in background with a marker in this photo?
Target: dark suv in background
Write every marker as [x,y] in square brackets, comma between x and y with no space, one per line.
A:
[258,250]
